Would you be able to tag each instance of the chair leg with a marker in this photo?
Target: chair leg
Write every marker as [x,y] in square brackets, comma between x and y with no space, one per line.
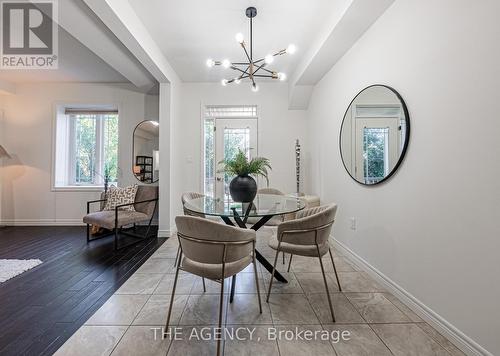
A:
[177,255]
[257,282]
[221,305]
[272,275]
[289,263]
[283,258]
[335,269]
[116,239]
[172,298]
[204,286]
[326,284]
[88,233]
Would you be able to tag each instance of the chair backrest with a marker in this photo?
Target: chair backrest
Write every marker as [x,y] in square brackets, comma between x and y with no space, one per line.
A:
[311,226]
[204,241]
[270,191]
[190,196]
[146,192]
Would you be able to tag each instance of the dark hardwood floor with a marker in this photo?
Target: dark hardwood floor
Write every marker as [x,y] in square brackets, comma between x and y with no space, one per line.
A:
[41,308]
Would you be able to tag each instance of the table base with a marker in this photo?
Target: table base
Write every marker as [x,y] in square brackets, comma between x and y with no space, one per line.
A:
[263,261]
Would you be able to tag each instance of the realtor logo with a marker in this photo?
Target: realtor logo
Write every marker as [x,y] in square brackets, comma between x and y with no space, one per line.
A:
[29,34]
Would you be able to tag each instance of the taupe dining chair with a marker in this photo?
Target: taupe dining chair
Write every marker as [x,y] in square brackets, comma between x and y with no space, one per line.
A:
[307,236]
[190,196]
[185,197]
[214,251]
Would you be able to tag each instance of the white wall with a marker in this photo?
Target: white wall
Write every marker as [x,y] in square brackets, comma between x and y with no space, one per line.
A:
[27,131]
[278,129]
[433,228]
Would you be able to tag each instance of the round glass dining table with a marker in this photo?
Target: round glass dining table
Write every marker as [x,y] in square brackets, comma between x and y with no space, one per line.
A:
[264,207]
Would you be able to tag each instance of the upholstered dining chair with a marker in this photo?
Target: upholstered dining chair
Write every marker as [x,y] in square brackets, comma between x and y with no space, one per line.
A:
[308,236]
[185,197]
[214,251]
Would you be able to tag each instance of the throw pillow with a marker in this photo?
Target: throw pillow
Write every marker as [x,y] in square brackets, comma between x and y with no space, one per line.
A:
[118,196]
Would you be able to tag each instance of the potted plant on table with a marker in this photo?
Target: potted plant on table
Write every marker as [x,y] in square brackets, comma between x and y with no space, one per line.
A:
[243,187]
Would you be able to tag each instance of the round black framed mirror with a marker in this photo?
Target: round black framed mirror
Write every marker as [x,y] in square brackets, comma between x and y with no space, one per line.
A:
[145,151]
[374,135]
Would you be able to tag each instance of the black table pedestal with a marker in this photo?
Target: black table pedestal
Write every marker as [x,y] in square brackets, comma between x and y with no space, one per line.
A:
[263,261]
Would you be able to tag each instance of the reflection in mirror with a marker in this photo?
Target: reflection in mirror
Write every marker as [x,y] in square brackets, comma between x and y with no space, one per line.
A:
[374,134]
[146,154]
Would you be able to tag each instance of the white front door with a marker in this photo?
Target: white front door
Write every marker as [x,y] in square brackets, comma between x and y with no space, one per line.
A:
[377,148]
[231,135]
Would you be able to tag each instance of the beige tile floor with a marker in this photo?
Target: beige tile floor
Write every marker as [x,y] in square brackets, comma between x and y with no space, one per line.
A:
[378,323]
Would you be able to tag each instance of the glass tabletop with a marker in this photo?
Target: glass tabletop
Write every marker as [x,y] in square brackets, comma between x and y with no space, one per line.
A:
[263,205]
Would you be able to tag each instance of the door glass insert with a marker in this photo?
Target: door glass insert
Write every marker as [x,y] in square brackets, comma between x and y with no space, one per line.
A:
[234,139]
[375,154]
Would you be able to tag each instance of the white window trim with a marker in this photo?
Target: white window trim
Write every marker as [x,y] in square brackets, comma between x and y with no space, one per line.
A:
[57,107]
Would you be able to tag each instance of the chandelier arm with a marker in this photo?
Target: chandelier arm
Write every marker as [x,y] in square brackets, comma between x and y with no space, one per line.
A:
[267,70]
[260,67]
[246,52]
[239,70]
[264,76]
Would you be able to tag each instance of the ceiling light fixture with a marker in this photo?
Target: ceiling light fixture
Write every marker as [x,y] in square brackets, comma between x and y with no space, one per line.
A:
[251,69]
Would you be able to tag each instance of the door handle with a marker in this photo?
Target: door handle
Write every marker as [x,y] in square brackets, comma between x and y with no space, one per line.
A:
[219,179]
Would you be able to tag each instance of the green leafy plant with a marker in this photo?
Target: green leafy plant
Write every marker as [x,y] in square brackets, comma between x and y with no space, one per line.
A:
[241,166]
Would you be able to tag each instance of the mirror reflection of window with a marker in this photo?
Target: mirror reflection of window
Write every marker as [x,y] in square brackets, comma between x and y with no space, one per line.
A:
[145,165]
[374,134]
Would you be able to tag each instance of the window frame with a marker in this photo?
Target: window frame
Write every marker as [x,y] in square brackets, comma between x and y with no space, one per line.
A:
[70,185]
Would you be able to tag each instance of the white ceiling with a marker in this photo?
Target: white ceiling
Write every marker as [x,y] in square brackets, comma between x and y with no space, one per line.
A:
[76,64]
[190,31]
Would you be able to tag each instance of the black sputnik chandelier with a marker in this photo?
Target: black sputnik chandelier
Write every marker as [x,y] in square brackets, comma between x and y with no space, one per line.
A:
[251,69]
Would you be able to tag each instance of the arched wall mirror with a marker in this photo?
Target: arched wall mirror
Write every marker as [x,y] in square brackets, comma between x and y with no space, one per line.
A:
[374,134]
[146,154]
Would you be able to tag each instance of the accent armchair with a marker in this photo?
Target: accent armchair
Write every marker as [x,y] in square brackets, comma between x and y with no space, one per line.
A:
[145,204]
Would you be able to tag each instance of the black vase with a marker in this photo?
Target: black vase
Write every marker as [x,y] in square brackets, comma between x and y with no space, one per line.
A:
[243,189]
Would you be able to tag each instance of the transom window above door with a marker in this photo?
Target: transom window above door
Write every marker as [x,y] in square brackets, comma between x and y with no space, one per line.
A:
[86,147]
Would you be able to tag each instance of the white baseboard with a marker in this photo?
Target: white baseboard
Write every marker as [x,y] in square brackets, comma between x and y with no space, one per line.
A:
[164,233]
[457,337]
[42,222]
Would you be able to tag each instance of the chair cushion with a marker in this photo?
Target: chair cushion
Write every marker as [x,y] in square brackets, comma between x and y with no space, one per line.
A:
[117,196]
[214,271]
[106,218]
[301,250]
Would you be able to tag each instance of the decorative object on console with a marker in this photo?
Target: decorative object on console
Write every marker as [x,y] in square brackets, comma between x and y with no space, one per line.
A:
[250,68]
[243,187]
[297,165]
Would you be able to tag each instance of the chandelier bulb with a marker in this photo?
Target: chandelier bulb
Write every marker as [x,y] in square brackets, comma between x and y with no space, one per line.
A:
[210,63]
[281,76]
[268,59]
[239,38]
[291,49]
[224,82]
[255,88]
